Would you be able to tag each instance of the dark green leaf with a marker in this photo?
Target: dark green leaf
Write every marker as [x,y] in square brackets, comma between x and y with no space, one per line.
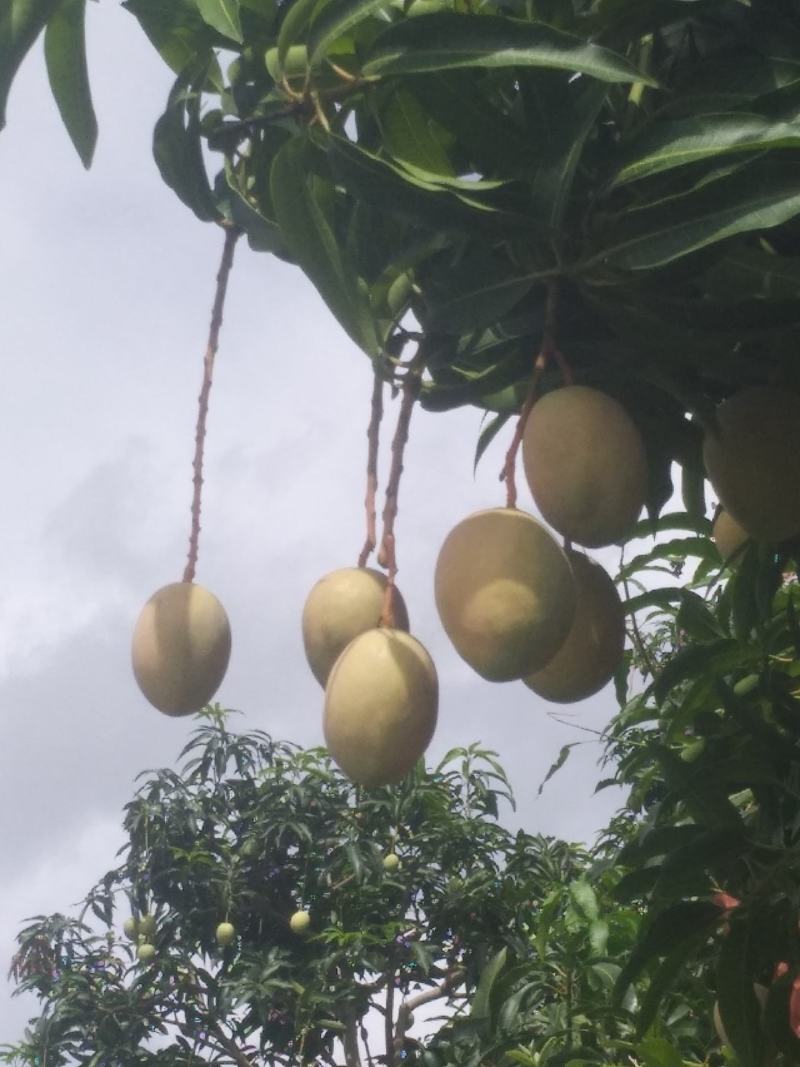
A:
[304,207]
[177,148]
[487,435]
[65,52]
[334,19]
[410,136]
[738,1006]
[443,41]
[674,144]
[176,30]
[21,22]
[482,1000]
[752,199]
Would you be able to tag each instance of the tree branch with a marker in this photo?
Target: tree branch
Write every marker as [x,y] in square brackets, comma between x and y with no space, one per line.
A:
[443,989]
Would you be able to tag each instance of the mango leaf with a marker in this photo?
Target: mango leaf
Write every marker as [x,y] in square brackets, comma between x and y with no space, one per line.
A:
[668,973]
[410,136]
[656,1052]
[333,20]
[473,293]
[295,24]
[304,208]
[176,30]
[676,144]
[738,1007]
[755,198]
[481,1002]
[487,435]
[422,201]
[443,41]
[721,656]
[223,16]
[177,146]
[21,22]
[584,899]
[664,933]
[560,117]
[65,53]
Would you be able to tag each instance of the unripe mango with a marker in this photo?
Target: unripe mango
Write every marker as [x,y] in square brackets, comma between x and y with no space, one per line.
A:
[381,704]
[586,465]
[505,593]
[181,648]
[342,605]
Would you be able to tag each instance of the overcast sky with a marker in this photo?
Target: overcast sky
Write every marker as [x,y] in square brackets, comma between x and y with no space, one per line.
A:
[107,283]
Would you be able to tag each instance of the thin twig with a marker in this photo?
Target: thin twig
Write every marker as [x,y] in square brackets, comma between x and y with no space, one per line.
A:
[231,237]
[547,349]
[412,383]
[373,439]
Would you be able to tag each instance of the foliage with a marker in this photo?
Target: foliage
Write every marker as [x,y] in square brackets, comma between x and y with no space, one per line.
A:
[491,922]
[432,163]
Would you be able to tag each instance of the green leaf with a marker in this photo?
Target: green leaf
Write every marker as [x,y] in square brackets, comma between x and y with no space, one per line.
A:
[598,937]
[444,41]
[547,913]
[738,1007]
[755,198]
[410,136]
[676,144]
[697,660]
[664,933]
[424,202]
[304,208]
[334,19]
[294,25]
[65,53]
[559,763]
[223,16]
[487,435]
[481,1002]
[656,1052]
[175,30]
[560,117]
[21,22]
[584,899]
[177,147]
[473,293]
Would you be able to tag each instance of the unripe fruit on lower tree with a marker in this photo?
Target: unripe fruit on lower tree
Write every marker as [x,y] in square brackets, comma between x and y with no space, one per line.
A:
[340,607]
[226,932]
[131,928]
[146,926]
[391,862]
[761,993]
[505,593]
[728,535]
[752,457]
[593,648]
[181,648]
[300,922]
[381,704]
[586,465]
[145,953]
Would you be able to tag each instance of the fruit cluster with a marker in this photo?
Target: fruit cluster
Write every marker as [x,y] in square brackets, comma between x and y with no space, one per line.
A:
[513,601]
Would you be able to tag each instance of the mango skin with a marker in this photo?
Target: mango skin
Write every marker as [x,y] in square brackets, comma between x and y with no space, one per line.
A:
[586,465]
[752,458]
[181,648]
[381,705]
[340,607]
[593,648]
[505,593]
[728,535]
